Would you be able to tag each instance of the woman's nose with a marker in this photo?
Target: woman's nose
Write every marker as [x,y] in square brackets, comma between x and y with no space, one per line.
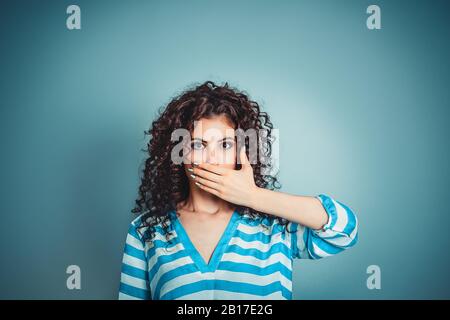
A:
[212,156]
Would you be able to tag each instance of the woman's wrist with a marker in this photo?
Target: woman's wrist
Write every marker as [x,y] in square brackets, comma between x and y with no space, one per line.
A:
[256,196]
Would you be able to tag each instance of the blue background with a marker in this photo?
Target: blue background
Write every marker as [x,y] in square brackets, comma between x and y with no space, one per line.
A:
[363,116]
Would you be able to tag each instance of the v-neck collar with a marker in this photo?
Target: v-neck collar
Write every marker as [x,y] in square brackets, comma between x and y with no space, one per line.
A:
[218,251]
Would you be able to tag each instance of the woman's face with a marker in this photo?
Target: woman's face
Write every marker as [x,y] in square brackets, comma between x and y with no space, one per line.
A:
[213,141]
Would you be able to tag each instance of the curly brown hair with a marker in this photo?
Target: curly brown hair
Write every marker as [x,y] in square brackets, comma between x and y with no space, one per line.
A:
[164,184]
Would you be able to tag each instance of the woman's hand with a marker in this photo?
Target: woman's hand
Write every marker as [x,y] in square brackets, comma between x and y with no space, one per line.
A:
[238,187]
[235,186]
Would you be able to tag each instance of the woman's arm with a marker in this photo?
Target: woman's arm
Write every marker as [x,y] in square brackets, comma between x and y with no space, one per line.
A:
[321,226]
[238,187]
[305,210]
[134,282]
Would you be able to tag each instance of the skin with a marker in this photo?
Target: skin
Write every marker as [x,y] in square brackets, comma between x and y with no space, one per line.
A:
[216,187]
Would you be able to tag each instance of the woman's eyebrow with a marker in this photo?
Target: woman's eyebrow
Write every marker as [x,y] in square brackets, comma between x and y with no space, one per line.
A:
[227,138]
[201,140]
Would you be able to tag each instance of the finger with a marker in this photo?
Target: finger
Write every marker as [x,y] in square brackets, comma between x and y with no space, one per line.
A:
[215,169]
[243,157]
[205,182]
[207,175]
[208,189]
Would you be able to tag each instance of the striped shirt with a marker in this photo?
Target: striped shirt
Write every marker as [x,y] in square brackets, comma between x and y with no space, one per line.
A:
[249,261]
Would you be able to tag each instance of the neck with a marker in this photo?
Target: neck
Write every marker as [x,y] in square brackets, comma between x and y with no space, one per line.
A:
[204,202]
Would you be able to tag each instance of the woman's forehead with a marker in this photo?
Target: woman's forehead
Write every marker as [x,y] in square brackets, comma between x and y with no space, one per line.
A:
[213,128]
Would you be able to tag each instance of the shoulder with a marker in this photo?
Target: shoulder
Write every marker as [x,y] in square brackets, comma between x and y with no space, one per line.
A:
[140,226]
[136,231]
[266,224]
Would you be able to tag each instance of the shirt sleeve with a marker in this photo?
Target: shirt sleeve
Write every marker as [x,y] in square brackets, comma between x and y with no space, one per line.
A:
[134,282]
[338,234]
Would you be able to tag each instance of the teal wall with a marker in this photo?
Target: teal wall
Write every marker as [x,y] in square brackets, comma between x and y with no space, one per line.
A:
[363,116]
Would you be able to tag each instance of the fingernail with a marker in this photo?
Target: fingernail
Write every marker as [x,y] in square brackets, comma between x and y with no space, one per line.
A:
[197,183]
[195,163]
[193,176]
[190,170]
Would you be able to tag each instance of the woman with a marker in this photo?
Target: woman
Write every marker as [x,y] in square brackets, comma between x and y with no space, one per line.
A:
[212,226]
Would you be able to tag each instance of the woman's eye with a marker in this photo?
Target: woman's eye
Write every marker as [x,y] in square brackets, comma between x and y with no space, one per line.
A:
[197,145]
[227,145]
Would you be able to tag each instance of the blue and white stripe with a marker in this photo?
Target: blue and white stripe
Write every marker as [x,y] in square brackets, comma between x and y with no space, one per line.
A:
[249,262]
